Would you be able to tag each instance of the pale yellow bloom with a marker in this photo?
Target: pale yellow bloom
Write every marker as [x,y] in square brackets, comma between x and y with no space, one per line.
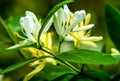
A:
[46,39]
[114,51]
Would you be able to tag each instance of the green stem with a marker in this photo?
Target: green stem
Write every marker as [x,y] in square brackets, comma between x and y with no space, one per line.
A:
[64,62]
[69,65]
[82,69]
[60,42]
[59,47]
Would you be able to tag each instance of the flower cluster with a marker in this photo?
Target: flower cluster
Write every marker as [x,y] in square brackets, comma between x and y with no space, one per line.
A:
[69,26]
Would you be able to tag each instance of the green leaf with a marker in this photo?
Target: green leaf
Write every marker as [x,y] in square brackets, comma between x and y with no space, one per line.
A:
[84,56]
[64,77]
[112,17]
[92,75]
[8,30]
[98,74]
[50,14]
[117,57]
[18,46]
[15,66]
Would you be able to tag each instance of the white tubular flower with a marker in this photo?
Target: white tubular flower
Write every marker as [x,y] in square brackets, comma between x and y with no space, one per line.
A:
[65,21]
[32,26]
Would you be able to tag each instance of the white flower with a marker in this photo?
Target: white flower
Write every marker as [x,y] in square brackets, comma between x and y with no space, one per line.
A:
[32,26]
[65,21]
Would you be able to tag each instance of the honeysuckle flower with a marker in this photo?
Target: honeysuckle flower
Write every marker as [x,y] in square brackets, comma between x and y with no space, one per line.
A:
[72,28]
[80,36]
[32,26]
[65,21]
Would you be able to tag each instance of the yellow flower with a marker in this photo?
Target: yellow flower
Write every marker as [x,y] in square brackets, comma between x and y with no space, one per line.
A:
[80,36]
[47,41]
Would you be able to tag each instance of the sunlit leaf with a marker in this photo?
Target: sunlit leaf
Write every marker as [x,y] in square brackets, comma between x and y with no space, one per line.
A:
[84,56]
[112,17]
[116,56]
[50,14]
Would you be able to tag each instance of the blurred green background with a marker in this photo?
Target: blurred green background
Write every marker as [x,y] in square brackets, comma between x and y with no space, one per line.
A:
[17,8]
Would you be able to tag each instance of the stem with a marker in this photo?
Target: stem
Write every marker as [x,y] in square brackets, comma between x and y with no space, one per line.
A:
[64,62]
[60,42]
[48,52]
[82,69]
[69,65]
[59,47]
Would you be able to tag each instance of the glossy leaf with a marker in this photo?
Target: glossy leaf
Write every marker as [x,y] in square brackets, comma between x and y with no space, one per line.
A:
[15,66]
[84,56]
[112,17]
[50,14]
[91,75]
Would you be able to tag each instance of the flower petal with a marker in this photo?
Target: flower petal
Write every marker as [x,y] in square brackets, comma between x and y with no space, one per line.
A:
[37,25]
[66,13]
[94,38]
[59,20]
[87,18]
[31,74]
[77,18]
[83,28]
[88,43]
[27,23]
[68,38]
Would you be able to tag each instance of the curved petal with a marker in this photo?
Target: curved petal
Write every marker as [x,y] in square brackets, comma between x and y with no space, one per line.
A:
[77,18]
[32,15]
[31,74]
[37,25]
[87,27]
[66,13]
[59,21]
[27,23]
